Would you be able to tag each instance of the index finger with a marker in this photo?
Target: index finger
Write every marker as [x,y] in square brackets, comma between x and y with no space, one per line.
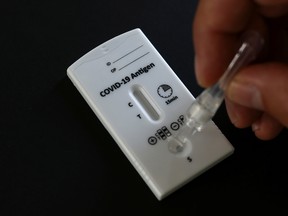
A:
[217,26]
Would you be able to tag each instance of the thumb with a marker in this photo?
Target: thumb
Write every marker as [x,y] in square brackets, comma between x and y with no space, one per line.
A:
[263,87]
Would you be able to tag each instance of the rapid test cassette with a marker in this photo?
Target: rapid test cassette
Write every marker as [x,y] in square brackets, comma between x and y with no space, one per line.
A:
[142,104]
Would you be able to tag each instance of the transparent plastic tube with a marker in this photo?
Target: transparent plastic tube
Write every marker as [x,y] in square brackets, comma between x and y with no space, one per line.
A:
[204,107]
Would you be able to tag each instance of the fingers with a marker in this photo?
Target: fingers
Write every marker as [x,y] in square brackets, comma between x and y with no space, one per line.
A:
[262,87]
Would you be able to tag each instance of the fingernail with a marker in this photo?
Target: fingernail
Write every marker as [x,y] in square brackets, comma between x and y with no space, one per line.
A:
[197,71]
[245,94]
[232,112]
[255,126]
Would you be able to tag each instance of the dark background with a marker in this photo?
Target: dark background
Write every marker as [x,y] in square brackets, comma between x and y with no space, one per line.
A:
[56,157]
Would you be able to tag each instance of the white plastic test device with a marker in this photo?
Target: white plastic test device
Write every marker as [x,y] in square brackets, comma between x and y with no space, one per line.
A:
[142,103]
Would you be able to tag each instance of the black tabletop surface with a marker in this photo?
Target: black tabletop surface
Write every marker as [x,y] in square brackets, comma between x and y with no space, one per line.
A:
[55,155]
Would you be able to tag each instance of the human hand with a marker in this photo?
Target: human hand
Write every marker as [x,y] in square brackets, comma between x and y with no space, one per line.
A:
[258,94]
